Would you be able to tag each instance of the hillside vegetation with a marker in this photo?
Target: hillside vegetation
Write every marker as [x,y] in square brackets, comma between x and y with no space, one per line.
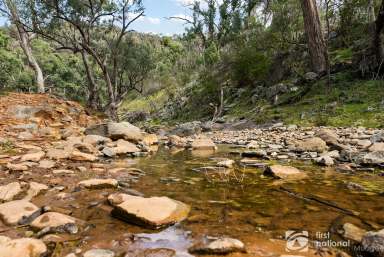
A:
[237,59]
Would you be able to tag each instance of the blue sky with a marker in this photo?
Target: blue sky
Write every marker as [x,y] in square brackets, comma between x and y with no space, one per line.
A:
[156,13]
[156,21]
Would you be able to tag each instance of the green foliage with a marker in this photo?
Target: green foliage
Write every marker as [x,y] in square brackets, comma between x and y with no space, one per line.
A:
[250,65]
[211,54]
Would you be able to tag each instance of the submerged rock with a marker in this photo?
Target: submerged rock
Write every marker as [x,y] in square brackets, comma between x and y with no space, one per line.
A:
[219,246]
[99,253]
[13,212]
[284,172]
[154,212]
[226,163]
[23,247]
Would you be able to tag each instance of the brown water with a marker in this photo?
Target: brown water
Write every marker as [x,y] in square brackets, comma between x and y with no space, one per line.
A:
[242,204]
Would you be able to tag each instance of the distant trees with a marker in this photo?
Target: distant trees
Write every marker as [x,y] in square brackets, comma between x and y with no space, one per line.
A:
[95,29]
[9,8]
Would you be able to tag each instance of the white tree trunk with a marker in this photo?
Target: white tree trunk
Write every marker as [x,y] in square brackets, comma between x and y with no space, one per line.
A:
[371,11]
[23,38]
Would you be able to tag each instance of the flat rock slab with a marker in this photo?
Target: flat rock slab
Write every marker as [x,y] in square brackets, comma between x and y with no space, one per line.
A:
[23,247]
[52,220]
[10,191]
[33,157]
[154,212]
[284,172]
[34,190]
[12,212]
[99,183]
[17,167]
[219,246]
[47,164]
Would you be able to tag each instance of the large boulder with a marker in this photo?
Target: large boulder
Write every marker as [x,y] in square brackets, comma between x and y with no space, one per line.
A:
[154,212]
[22,247]
[124,130]
[284,172]
[13,212]
[314,144]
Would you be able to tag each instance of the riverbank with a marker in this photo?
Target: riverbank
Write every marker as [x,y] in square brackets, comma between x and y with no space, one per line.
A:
[66,178]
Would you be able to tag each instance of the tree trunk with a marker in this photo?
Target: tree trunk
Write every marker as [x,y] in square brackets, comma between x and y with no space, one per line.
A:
[25,45]
[23,38]
[371,11]
[377,42]
[93,101]
[316,44]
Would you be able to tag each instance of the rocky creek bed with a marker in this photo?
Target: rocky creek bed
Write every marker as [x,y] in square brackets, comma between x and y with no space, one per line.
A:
[71,185]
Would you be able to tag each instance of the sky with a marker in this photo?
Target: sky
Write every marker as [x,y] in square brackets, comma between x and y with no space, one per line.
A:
[156,14]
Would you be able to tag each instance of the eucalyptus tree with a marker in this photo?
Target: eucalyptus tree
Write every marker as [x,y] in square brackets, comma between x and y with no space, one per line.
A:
[315,37]
[93,28]
[10,9]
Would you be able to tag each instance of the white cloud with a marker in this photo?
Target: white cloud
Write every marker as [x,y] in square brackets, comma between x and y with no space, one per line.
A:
[153,20]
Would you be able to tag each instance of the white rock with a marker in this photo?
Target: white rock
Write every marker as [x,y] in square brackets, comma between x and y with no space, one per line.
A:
[12,212]
[52,219]
[34,190]
[8,192]
[284,172]
[154,212]
[33,157]
[98,183]
[99,253]
[23,247]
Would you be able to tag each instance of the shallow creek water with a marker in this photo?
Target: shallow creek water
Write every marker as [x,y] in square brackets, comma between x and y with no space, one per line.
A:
[242,204]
